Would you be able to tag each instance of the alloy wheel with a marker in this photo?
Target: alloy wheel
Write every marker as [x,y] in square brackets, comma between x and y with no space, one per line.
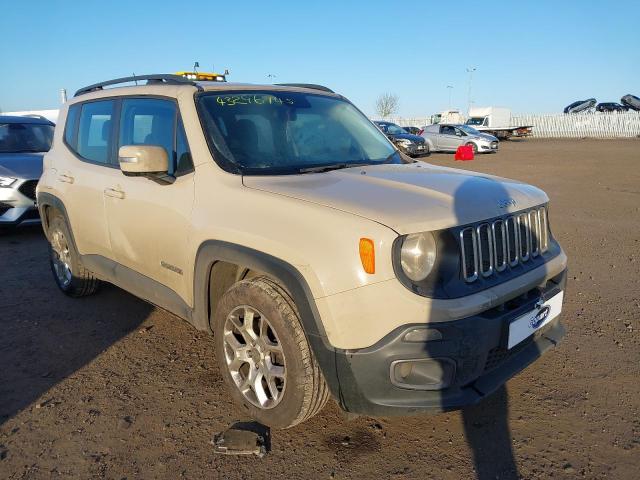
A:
[254,357]
[61,257]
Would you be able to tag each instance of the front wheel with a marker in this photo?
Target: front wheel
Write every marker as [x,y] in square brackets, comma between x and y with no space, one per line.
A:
[264,356]
[473,146]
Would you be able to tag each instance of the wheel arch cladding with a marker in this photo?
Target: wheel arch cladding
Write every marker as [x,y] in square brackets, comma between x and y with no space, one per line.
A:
[213,251]
[46,204]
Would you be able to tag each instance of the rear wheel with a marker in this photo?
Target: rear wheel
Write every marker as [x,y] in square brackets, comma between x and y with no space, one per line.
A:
[264,356]
[68,272]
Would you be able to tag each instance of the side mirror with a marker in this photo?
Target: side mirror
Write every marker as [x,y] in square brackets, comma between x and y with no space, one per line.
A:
[149,161]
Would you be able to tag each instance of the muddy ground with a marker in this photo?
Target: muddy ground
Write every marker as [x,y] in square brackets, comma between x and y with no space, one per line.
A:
[111,387]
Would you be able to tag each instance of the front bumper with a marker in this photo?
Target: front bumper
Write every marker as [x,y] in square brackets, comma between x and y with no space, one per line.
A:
[474,348]
[415,149]
[489,147]
[18,204]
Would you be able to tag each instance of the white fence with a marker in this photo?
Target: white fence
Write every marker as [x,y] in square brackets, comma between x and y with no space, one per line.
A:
[575,125]
[583,125]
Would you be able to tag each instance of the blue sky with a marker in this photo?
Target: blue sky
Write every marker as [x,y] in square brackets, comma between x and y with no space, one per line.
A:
[533,57]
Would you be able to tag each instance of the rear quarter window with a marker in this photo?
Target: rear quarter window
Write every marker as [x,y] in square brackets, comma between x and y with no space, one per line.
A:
[70,128]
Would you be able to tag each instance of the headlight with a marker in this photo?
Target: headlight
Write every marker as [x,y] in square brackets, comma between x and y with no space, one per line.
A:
[7,181]
[404,142]
[418,255]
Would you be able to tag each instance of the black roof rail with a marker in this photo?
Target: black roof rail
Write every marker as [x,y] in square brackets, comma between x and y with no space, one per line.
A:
[312,86]
[158,78]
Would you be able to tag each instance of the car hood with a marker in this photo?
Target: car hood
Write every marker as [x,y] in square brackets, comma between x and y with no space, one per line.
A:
[26,166]
[487,137]
[408,136]
[407,198]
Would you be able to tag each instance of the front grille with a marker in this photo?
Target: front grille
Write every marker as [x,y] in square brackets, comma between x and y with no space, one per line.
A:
[28,189]
[4,208]
[491,247]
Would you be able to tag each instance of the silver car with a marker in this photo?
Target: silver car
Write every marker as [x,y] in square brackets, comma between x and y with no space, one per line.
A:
[23,143]
[448,137]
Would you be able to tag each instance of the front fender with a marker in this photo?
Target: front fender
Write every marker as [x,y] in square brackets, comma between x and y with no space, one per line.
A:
[287,275]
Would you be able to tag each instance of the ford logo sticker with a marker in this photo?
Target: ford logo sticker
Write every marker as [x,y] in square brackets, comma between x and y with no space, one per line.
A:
[540,317]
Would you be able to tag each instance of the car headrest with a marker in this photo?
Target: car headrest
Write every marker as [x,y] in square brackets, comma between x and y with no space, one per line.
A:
[106,131]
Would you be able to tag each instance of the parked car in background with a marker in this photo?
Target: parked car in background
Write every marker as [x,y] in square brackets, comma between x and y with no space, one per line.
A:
[413,130]
[23,142]
[408,143]
[610,107]
[447,138]
[631,101]
[496,121]
[580,106]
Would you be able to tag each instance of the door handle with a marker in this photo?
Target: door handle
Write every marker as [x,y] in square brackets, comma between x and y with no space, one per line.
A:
[63,177]
[114,192]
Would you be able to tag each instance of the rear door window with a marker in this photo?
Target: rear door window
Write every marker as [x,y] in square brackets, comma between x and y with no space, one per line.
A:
[95,131]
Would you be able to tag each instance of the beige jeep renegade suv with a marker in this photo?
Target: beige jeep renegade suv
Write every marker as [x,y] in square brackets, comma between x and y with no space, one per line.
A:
[324,263]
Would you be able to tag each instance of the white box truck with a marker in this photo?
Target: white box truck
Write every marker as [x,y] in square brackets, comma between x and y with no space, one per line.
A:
[496,121]
[447,117]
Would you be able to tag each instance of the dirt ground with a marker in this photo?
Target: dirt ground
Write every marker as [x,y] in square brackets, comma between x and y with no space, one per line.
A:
[111,387]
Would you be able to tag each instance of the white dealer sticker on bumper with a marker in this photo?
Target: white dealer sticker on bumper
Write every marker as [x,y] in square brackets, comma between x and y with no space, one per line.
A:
[537,318]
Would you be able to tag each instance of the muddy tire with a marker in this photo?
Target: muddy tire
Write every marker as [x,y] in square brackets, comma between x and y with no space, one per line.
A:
[68,272]
[264,356]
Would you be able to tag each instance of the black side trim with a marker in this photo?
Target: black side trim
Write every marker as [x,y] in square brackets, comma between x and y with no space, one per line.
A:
[291,279]
[137,284]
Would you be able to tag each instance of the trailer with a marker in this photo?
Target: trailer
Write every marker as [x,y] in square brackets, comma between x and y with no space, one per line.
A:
[496,121]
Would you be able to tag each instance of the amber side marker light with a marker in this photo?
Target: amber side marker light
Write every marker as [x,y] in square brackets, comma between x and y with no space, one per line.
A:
[368,255]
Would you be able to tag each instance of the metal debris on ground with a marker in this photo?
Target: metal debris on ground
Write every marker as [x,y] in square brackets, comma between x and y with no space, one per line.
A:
[248,438]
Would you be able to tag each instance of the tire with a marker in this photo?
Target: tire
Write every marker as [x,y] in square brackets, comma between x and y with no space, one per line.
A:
[272,342]
[68,272]
[473,146]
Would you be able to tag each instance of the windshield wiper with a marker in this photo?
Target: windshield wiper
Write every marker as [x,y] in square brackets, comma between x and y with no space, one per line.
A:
[333,166]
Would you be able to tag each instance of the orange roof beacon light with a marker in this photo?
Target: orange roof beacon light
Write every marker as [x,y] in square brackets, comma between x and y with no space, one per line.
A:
[205,76]
[368,255]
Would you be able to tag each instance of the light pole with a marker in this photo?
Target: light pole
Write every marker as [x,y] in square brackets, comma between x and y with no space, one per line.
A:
[470,71]
[450,88]
[271,76]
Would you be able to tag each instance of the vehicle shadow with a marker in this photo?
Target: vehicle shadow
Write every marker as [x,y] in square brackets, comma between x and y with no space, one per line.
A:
[486,428]
[486,424]
[46,336]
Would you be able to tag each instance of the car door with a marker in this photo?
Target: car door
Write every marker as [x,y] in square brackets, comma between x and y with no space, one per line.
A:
[84,170]
[460,137]
[149,222]
[447,140]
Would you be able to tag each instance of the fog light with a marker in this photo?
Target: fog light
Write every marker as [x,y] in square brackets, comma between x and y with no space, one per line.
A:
[423,374]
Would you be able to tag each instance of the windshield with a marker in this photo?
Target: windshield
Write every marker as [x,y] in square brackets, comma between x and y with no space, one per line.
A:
[475,121]
[25,137]
[393,129]
[468,129]
[270,132]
